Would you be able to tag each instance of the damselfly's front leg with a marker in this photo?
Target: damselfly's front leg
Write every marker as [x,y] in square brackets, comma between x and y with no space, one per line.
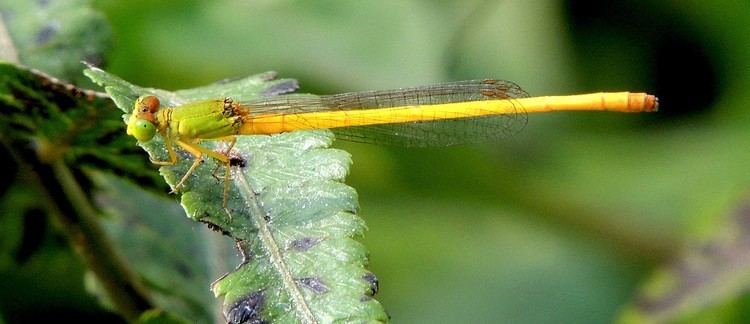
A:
[170,150]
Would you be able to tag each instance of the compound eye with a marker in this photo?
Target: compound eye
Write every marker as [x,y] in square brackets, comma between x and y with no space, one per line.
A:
[143,130]
[147,104]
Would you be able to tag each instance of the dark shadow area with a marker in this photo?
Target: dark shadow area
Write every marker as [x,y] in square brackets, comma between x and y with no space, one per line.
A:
[678,66]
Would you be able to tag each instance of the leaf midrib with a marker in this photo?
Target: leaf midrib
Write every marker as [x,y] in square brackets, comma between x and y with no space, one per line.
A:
[268,241]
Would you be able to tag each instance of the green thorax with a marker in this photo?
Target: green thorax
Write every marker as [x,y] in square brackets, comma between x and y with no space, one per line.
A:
[209,119]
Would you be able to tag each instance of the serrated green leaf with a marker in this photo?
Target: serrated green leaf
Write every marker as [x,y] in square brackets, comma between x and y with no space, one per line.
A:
[706,275]
[287,207]
[54,36]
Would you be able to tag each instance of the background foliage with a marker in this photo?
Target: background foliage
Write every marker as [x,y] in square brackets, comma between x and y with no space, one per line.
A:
[580,218]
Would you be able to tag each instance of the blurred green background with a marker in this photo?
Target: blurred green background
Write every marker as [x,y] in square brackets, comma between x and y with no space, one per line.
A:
[560,223]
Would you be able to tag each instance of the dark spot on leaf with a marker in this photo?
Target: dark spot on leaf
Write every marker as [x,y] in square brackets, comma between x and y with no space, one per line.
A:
[373,281]
[237,161]
[305,243]
[267,217]
[48,31]
[247,310]
[34,227]
[43,3]
[316,285]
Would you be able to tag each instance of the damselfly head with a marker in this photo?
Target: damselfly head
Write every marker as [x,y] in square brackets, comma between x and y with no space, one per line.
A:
[142,122]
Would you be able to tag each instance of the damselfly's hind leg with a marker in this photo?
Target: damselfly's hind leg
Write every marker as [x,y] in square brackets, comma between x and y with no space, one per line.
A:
[232,140]
[199,151]
[227,170]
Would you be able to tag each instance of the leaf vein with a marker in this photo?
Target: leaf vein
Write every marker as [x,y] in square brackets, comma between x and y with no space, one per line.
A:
[264,233]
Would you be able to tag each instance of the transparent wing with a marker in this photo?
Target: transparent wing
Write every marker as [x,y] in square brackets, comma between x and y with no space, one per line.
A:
[436,133]
[429,131]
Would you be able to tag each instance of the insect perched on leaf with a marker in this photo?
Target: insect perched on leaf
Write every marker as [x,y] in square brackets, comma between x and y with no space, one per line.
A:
[435,115]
